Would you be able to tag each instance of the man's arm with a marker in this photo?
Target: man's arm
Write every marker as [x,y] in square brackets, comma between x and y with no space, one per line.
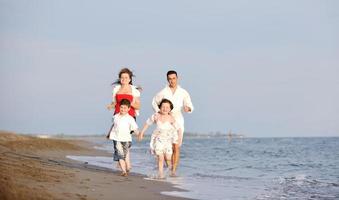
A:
[188,105]
[156,100]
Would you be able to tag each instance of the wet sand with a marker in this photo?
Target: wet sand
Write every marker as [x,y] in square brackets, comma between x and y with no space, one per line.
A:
[36,168]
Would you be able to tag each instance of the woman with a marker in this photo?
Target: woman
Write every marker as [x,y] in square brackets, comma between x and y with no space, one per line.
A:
[124,89]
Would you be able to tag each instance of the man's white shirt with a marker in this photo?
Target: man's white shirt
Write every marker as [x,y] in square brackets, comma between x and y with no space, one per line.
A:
[179,98]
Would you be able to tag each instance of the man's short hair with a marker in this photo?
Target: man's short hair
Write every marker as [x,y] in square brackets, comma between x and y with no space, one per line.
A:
[172,72]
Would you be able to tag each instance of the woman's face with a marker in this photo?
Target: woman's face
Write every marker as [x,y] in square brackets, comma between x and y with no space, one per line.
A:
[124,79]
[165,108]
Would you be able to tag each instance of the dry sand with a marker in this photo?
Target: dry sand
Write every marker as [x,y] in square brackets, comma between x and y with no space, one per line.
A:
[36,168]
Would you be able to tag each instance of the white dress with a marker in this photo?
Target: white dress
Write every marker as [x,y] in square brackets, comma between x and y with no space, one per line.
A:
[179,98]
[165,134]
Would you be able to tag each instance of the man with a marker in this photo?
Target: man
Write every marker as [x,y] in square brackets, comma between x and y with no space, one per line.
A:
[182,102]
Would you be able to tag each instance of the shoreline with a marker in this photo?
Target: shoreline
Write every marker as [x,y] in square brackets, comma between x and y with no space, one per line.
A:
[37,168]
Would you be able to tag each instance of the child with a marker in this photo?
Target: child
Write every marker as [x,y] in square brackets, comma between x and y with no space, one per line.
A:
[164,136]
[120,134]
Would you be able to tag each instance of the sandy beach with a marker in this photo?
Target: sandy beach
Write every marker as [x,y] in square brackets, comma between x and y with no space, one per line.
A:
[36,168]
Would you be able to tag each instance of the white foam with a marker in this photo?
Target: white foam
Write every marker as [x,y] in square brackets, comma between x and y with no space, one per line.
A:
[43,136]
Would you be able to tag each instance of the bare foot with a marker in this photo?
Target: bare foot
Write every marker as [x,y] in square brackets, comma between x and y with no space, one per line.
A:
[173,174]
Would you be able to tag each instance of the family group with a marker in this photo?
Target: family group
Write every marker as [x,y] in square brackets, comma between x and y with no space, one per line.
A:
[166,139]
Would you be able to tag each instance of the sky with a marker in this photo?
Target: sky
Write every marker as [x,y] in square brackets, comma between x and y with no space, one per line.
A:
[259,68]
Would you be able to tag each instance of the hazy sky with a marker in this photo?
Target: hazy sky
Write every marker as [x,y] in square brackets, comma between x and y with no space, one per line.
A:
[261,68]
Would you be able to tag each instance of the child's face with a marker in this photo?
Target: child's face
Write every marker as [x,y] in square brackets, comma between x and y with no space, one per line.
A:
[124,109]
[165,108]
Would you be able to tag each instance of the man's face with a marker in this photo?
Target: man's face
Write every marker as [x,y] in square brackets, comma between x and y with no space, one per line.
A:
[172,80]
[124,109]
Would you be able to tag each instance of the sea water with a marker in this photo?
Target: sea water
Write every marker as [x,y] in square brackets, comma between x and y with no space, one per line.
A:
[249,168]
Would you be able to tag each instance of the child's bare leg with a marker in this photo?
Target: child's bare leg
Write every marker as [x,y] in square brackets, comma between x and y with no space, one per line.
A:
[161,165]
[168,160]
[118,165]
[123,167]
[128,162]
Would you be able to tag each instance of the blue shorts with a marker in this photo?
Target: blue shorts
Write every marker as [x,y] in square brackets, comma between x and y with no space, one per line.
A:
[120,150]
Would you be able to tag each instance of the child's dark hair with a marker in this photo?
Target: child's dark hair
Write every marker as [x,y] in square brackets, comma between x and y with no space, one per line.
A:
[172,72]
[166,101]
[125,102]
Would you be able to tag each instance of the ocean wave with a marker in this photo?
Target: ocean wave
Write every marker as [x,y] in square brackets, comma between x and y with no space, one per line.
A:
[308,180]
[300,186]
[214,176]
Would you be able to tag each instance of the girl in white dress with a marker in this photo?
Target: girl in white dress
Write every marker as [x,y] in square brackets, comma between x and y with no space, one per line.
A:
[165,134]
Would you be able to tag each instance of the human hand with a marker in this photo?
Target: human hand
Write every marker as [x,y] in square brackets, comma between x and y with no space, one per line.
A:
[179,143]
[135,133]
[172,120]
[187,109]
[139,88]
[140,136]
[110,106]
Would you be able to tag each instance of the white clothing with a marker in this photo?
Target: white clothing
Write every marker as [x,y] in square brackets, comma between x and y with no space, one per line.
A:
[165,134]
[179,98]
[122,127]
[161,142]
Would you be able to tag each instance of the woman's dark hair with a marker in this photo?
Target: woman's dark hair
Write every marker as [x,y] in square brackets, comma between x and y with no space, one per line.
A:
[166,101]
[125,102]
[124,71]
[171,72]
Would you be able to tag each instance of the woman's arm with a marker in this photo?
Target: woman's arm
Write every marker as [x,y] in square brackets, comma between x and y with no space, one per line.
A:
[136,103]
[110,106]
[114,92]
